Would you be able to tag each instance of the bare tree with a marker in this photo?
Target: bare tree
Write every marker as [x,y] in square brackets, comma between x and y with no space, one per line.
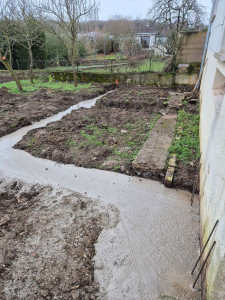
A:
[122,29]
[6,41]
[180,16]
[27,29]
[62,19]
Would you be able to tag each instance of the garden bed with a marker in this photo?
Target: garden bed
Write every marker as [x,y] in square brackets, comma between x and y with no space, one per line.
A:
[19,110]
[109,135]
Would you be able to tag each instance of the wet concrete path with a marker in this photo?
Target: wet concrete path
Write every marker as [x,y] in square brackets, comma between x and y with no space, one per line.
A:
[153,247]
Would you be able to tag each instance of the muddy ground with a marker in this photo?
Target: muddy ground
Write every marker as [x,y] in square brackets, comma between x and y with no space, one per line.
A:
[47,239]
[109,135]
[4,79]
[17,111]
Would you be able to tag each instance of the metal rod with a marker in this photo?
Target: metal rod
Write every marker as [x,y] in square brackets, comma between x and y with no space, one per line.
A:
[200,256]
[205,261]
[196,181]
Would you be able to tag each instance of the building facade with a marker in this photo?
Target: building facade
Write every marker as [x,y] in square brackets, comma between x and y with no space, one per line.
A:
[212,140]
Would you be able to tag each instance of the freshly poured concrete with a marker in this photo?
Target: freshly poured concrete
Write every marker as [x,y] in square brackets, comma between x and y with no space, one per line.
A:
[155,244]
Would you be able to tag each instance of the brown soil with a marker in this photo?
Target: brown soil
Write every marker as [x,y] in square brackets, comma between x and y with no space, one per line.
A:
[101,137]
[47,242]
[5,79]
[107,136]
[185,176]
[138,98]
[17,111]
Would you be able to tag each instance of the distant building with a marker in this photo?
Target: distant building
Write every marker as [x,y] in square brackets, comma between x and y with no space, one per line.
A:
[152,41]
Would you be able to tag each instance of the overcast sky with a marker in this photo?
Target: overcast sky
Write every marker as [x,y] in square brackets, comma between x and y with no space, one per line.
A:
[133,8]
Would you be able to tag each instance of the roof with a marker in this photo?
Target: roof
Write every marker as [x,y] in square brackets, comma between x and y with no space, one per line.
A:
[147,33]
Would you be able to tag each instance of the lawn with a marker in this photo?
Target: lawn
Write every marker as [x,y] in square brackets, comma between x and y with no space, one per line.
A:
[144,66]
[108,56]
[98,57]
[40,84]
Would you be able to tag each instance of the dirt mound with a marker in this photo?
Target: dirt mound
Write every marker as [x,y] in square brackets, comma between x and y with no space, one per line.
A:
[138,98]
[4,94]
[47,242]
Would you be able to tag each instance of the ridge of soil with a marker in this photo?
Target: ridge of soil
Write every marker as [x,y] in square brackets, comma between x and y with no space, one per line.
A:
[17,111]
[47,242]
[109,135]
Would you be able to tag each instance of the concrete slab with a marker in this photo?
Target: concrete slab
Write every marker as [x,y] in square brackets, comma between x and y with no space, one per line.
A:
[152,157]
[176,100]
[154,245]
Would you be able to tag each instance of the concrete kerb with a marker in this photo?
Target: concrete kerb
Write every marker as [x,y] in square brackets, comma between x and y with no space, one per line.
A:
[170,171]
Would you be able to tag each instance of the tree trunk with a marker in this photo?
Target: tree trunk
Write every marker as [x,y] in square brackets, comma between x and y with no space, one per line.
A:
[9,50]
[13,74]
[74,72]
[173,62]
[31,64]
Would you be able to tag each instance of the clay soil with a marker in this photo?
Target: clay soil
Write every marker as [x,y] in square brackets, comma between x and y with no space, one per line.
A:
[17,111]
[107,136]
[47,242]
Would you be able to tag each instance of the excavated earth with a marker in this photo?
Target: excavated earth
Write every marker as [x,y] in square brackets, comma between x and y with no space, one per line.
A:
[109,135]
[47,239]
[19,110]
[53,242]
[105,136]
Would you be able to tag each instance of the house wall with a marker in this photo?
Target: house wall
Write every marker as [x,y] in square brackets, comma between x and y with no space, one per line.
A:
[192,48]
[212,175]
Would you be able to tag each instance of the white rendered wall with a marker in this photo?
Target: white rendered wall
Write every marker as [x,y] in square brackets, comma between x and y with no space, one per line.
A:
[212,139]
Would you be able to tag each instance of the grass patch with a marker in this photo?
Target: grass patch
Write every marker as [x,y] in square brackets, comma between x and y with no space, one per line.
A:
[129,139]
[187,147]
[93,135]
[144,66]
[107,57]
[40,84]
[143,130]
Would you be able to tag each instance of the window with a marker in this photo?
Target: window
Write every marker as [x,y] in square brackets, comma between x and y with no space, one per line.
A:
[219,90]
[145,41]
[160,40]
[220,55]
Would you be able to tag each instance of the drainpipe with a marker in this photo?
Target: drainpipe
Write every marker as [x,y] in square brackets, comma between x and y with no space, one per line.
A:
[206,45]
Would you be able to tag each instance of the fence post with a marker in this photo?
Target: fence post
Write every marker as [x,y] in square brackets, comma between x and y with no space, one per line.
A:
[150,63]
[111,66]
